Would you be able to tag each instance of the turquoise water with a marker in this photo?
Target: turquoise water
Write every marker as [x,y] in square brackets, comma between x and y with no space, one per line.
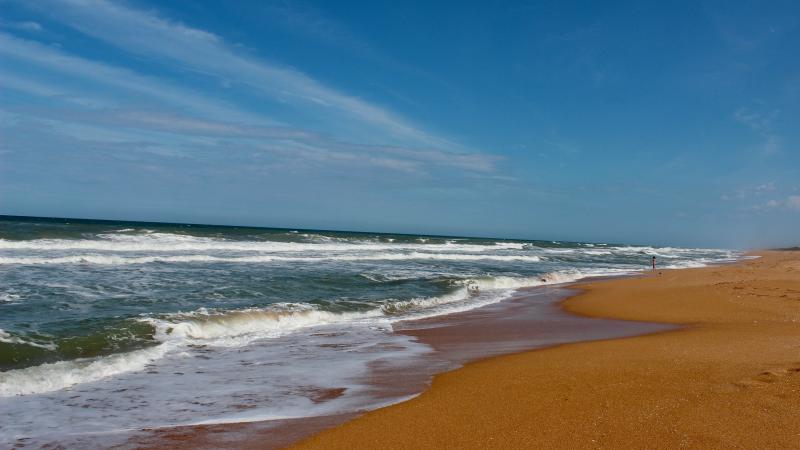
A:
[89,308]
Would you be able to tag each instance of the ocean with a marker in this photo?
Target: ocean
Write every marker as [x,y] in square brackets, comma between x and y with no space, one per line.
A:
[113,326]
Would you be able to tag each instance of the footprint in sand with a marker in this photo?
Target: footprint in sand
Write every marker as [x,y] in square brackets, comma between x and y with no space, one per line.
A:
[769,376]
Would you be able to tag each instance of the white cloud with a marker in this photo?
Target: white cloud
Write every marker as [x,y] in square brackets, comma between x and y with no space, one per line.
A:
[89,110]
[790,203]
[151,36]
[58,62]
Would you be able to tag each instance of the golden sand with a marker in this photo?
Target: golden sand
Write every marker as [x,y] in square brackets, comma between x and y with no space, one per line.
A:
[729,378]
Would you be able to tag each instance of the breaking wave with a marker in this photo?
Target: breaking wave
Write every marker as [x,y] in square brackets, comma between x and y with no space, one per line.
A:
[63,374]
[241,327]
[168,242]
[122,260]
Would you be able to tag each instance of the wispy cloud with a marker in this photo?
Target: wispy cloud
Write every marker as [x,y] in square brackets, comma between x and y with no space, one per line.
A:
[29,26]
[151,36]
[116,104]
[751,191]
[318,125]
[81,69]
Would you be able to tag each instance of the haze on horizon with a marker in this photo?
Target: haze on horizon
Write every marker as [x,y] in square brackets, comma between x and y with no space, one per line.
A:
[672,124]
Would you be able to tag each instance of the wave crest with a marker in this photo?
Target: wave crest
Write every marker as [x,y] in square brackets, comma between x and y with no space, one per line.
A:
[100,259]
[63,374]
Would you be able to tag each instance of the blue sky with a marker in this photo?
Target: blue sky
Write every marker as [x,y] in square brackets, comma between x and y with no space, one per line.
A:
[667,123]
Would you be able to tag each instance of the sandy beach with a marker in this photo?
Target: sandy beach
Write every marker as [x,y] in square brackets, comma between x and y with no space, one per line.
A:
[728,377]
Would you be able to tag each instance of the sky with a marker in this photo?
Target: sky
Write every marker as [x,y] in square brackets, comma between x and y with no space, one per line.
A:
[668,123]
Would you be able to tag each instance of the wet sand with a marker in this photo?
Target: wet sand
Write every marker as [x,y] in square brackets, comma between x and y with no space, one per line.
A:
[729,377]
[533,318]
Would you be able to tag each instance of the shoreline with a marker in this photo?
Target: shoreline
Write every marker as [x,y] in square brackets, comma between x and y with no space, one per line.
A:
[456,339]
[727,374]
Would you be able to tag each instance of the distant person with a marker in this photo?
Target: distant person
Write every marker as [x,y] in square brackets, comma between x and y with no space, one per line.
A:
[654,263]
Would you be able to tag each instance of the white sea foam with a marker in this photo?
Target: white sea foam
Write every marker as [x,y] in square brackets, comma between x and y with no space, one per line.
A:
[224,329]
[63,374]
[168,242]
[122,260]
[8,297]
[154,247]
[219,327]
[557,277]
[258,323]
[561,250]
[9,339]
[597,252]
[395,307]
[489,290]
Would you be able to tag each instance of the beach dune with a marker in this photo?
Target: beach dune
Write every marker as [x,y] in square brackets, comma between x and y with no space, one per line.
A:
[728,377]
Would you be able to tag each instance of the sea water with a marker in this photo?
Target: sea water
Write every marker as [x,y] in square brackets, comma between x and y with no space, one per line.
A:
[114,326]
